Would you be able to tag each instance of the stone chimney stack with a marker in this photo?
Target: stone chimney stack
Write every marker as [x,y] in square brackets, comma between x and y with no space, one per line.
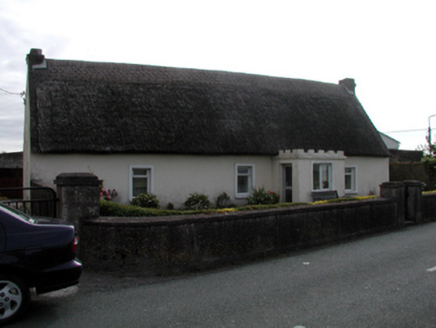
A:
[349,85]
[35,59]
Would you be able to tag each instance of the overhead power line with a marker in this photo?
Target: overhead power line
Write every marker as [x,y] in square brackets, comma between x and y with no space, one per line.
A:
[12,93]
[404,131]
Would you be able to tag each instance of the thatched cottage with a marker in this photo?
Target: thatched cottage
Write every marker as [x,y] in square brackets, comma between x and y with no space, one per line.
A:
[173,132]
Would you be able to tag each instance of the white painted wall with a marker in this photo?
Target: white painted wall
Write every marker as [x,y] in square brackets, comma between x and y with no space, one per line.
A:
[177,176]
[371,172]
[302,164]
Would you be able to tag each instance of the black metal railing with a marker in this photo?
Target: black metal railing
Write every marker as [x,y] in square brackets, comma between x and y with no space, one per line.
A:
[35,201]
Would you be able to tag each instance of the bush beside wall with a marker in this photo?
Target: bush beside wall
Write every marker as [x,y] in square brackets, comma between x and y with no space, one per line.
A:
[409,171]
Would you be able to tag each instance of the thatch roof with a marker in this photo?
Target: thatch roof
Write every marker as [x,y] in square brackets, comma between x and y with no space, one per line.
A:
[89,107]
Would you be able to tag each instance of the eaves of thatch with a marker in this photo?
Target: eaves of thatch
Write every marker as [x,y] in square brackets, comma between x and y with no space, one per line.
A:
[89,107]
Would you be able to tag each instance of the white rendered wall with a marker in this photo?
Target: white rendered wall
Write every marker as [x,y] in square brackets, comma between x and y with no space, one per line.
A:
[177,176]
[371,172]
[302,166]
[174,176]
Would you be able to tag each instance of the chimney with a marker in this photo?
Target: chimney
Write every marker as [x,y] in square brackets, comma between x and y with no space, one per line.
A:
[349,85]
[36,59]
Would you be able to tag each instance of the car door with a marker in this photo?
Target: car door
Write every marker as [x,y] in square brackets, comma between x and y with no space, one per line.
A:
[2,240]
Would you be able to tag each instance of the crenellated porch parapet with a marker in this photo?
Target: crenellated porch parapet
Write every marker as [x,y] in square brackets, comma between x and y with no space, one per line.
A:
[311,154]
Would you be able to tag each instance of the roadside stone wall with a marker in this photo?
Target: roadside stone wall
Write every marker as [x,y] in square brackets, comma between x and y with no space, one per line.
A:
[171,245]
[429,207]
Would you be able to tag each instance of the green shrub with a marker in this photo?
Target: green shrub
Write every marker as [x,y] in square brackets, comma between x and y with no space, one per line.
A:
[262,197]
[108,208]
[146,200]
[222,200]
[429,163]
[111,209]
[197,201]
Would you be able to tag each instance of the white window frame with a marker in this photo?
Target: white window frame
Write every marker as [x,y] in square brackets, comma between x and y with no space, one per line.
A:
[353,177]
[150,176]
[250,180]
[330,176]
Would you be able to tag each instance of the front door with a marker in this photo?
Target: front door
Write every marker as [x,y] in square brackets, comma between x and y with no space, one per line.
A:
[287,183]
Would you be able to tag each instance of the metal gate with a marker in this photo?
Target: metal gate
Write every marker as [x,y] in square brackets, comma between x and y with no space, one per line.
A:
[34,201]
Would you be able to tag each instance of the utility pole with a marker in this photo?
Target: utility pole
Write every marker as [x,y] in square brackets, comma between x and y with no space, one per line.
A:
[429,133]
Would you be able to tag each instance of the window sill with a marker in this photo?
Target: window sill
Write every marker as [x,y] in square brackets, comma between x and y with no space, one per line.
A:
[242,196]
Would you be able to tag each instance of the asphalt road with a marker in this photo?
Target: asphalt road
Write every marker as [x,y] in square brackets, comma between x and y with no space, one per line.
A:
[388,280]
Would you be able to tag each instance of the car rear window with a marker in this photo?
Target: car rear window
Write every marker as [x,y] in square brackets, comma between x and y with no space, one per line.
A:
[16,213]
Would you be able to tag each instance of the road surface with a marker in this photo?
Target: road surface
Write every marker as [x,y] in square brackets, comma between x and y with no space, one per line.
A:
[388,280]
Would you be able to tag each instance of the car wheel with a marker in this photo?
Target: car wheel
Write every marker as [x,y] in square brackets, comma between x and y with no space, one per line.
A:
[14,298]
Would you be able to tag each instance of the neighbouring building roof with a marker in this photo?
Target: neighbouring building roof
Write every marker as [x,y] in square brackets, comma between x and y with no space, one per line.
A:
[11,160]
[92,107]
[390,142]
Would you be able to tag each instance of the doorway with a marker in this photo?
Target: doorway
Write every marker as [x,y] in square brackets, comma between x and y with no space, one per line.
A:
[287,183]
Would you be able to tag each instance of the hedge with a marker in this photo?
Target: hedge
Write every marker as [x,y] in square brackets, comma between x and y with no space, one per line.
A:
[108,208]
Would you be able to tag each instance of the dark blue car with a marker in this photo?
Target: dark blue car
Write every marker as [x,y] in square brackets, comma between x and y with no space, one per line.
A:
[34,253]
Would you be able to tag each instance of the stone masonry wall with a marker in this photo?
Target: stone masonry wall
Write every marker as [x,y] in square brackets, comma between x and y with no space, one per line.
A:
[429,207]
[168,245]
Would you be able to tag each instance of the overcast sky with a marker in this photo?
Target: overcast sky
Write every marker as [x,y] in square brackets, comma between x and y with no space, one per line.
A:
[388,47]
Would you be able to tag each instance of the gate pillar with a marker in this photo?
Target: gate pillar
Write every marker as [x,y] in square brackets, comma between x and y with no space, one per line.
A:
[79,195]
[413,193]
[395,190]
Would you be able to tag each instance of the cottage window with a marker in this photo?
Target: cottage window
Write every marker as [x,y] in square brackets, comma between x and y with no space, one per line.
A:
[140,180]
[350,179]
[244,180]
[322,176]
